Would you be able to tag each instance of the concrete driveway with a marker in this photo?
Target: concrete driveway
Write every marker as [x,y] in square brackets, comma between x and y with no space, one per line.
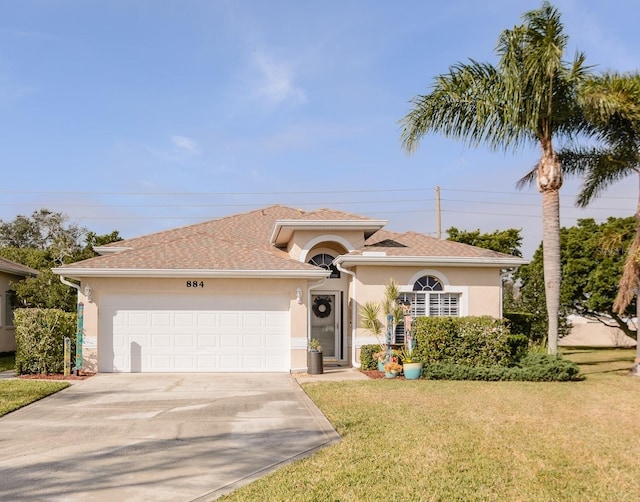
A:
[176,437]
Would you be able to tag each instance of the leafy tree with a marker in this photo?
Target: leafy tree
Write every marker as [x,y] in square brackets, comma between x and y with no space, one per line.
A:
[504,241]
[592,264]
[612,105]
[44,230]
[43,241]
[529,97]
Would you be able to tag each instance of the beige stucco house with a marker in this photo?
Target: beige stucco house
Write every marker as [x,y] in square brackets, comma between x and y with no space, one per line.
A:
[247,292]
[10,272]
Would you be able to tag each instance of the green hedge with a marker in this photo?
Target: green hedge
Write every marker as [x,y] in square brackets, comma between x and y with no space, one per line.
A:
[467,341]
[366,357]
[532,368]
[39,339]
[520,322]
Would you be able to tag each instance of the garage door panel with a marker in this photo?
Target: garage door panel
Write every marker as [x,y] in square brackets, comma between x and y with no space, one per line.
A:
[136,334]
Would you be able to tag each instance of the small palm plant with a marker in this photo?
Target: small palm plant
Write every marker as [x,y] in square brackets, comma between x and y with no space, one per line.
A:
[369,320]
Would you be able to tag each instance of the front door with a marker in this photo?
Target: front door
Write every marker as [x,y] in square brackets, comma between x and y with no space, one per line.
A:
[325,323]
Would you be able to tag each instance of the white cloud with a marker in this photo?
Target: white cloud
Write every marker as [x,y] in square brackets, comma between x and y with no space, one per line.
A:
[276,82]
[186,145]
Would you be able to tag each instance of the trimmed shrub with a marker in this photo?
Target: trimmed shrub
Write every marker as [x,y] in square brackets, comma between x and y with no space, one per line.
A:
[367,361]
[40,337]
[532,368]
[520,322]
[467,341]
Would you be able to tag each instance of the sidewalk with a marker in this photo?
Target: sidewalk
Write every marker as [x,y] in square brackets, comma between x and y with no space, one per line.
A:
[331,374]
[6,375]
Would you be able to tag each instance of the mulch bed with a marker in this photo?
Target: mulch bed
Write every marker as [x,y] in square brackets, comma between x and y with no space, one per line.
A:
[58,376]
[374,374]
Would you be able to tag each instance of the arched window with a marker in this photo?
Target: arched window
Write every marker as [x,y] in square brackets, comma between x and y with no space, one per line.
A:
[429,299]
[427,283]
[325,261]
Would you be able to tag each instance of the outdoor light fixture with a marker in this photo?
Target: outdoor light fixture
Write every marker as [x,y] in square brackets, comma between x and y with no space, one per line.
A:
[299,295]
[87,293]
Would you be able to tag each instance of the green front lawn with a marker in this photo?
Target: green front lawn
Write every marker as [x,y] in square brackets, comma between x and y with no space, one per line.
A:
[448,441]
[15,394]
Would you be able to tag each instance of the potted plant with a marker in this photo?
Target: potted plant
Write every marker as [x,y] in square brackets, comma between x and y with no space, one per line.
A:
[411,368]
[314,357]
[392,368]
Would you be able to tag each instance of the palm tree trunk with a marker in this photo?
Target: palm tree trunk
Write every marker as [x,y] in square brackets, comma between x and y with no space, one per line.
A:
[551,263]
[549,180]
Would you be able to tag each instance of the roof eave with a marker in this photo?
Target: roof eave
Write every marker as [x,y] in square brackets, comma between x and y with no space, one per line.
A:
[182,273]
[283,229]
[451,261]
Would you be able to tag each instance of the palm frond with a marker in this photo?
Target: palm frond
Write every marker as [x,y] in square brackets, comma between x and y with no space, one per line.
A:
[601,168]
[629,281]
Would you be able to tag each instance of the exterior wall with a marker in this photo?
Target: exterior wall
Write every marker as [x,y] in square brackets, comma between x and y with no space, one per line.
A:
[339,241]
[279,287]
[480,288]
[7,330]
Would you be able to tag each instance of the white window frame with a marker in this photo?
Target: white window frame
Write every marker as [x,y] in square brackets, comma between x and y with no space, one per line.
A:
[447,288]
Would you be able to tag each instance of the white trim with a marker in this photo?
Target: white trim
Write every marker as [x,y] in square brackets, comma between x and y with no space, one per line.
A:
[298,342]
[324,238]
[427,271]
[463,291]
[279,236]
[106,250]
[432,261]
[340,345]
[133,272]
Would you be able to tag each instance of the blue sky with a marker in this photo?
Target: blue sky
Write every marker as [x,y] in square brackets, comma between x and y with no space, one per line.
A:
[139,116]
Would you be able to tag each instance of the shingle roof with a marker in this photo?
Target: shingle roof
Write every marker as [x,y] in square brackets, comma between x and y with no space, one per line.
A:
[415,244]
[239,242]
[11,267]
[242,243]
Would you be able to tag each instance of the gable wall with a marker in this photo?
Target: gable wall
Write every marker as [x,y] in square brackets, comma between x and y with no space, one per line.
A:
[302,239]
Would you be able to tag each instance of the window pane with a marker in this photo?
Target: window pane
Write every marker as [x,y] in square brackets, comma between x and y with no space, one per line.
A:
[444,304]
[427,283]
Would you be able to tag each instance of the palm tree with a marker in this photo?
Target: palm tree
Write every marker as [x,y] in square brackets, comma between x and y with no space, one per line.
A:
[612,105]
[529,97]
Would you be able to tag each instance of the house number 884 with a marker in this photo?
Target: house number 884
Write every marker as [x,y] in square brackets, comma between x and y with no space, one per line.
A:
[195,284]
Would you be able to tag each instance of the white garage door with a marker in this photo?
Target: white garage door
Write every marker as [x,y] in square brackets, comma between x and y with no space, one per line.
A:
[175,333]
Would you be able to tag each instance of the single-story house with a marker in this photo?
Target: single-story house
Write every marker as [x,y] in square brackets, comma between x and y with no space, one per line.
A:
[10,272]
[247,292]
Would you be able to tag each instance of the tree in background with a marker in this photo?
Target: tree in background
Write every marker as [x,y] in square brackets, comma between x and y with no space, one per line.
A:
[529,97]
[43,241]
[592,260]
[612,105]
[504,241]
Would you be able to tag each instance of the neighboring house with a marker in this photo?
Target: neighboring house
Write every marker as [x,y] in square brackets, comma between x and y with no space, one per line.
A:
[247,292]
[593,333]
[10,272]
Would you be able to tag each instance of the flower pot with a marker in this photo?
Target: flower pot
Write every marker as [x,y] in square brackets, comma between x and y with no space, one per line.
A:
[380,365]
[412,371]
[390,374]
[314,362]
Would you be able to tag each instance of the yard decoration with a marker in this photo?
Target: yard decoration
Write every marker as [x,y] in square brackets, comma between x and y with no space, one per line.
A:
[411,368]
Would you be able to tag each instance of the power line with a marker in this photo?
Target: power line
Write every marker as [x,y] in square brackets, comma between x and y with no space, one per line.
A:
[381,190]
